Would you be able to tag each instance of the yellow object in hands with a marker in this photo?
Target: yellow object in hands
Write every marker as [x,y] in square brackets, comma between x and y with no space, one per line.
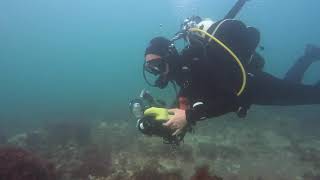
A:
[159,114]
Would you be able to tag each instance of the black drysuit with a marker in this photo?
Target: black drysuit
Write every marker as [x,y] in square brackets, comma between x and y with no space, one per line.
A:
[209,78]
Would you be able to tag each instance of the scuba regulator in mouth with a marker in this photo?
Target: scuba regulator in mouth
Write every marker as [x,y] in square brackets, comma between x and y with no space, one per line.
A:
[151,114]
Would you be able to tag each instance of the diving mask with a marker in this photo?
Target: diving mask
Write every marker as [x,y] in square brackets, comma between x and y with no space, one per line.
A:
[159,69]
[155,66]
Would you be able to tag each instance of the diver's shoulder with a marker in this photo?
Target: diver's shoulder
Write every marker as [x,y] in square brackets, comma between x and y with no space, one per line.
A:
[191,51]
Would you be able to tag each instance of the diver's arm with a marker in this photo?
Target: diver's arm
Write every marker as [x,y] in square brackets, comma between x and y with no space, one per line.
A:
[200,106]
[180,118]
[184,103]
[192,113]
[197,113]
[201,110]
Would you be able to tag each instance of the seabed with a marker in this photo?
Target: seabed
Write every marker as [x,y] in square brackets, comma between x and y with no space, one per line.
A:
[270,144]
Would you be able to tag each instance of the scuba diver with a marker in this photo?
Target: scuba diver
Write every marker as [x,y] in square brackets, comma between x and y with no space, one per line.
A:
[216,73]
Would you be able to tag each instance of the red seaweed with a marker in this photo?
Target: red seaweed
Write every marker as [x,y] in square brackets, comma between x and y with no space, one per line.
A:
[19,164]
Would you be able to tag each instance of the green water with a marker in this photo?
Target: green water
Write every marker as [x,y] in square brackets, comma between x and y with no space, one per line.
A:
[77,59]
[68,69]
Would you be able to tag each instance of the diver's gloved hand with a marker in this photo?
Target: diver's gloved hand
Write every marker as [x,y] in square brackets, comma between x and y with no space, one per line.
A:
[177,121]
[176,118]
[159,114]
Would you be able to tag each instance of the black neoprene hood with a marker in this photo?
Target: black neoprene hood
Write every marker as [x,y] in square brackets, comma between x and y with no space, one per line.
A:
[158,46]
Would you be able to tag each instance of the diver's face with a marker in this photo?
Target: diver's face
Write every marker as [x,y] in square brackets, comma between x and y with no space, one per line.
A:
[150,57]
[156,65]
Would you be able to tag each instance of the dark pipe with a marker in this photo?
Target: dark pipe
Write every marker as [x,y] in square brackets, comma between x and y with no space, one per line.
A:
[235,9]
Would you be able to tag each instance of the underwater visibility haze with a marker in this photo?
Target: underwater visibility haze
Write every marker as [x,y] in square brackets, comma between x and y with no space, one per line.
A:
[69,68]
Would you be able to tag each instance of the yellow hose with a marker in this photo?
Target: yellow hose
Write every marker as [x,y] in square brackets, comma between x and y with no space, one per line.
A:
[243,72]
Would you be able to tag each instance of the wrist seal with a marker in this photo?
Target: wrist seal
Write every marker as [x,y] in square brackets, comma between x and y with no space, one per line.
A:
[196,113]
